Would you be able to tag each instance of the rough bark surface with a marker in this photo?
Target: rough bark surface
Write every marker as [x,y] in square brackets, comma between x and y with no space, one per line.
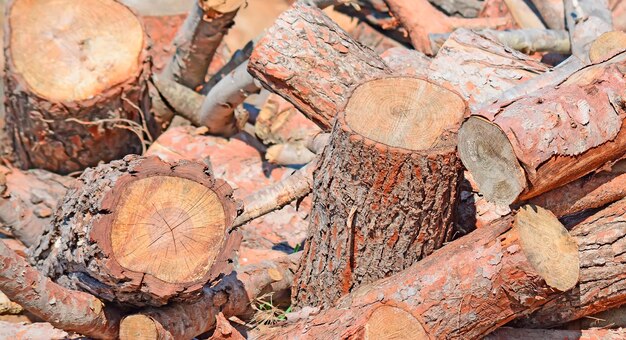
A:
[586,20]
[407,62]
[29,199]
[63,308]
[78,249]
[601,240]
[310,61]
[542,334]
[558,134]
[465,290]
[67,136]
[377,209]
[480,68]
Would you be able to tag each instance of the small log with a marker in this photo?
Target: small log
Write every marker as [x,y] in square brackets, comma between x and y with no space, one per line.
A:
[306,50]
[141,231]
[601,240]
[65,309]
[548,138]
[385,189]
[480,68]
[29,199]
[431,20]
[542,334]
[77,96]
[552,12]
[586,20]
[198,40]
[232,296]
[465,290]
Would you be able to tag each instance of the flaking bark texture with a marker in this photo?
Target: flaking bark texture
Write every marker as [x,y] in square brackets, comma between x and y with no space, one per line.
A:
[29,199]
[601,242]
[310,61]
[465,290]
[376,211]
[71,136]
[76,252]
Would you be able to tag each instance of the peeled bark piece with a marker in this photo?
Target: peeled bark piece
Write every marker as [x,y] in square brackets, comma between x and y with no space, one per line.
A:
[308,60]
[141,231]
[66,309]
[601,240]
[480,68]
[586,20]
[29,199]
[465,290]
[198,39]
[75,97]
[548,138]
[232,296]
[386,188]
[431,20]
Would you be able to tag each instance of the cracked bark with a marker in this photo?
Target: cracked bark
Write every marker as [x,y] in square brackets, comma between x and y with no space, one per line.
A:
[134,209]
[308,60]
[383,198]
[550,137]
[57,122]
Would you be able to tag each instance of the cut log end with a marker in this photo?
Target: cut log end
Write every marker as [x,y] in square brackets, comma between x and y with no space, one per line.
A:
[607,45]
[190,234]
[487,153]
[140,327]
[68,51]
[388,322]
[550,249]
[408,113]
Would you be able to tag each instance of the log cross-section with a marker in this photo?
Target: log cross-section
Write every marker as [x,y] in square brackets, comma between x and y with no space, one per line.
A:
[141,231]
[386,188]
[76,81]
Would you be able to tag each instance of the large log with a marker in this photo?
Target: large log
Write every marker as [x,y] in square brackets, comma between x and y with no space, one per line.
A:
[76,81]
[601,241]
[385,191]
[543,140]
[140,231]
[308,60]
[465,290]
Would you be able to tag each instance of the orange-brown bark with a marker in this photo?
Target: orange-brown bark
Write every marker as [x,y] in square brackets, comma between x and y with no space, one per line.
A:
[550,137]
[308,60]
[140,231]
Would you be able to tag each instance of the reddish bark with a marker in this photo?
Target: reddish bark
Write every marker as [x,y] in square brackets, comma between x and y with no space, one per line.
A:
[118,215]
[306,50]
[541,334]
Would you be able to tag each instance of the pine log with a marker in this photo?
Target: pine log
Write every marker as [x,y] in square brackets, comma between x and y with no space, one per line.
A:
[543,334]
[480,68]
[65,309]
[548,138]
[140,231]
[586,20]
[431,20]
[232,296]
[197,41]
[465,290]
[407,62]
[308,60]
[76,81]
[385,191]
[601,242]
[29,199]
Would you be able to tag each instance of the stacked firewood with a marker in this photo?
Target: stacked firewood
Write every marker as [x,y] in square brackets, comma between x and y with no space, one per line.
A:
[447,169]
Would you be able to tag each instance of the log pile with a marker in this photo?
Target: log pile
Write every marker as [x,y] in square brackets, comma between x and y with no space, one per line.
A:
[440,169]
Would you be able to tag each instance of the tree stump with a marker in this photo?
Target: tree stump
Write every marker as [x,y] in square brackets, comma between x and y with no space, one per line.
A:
[76,82]
[386,189]
[141,231]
